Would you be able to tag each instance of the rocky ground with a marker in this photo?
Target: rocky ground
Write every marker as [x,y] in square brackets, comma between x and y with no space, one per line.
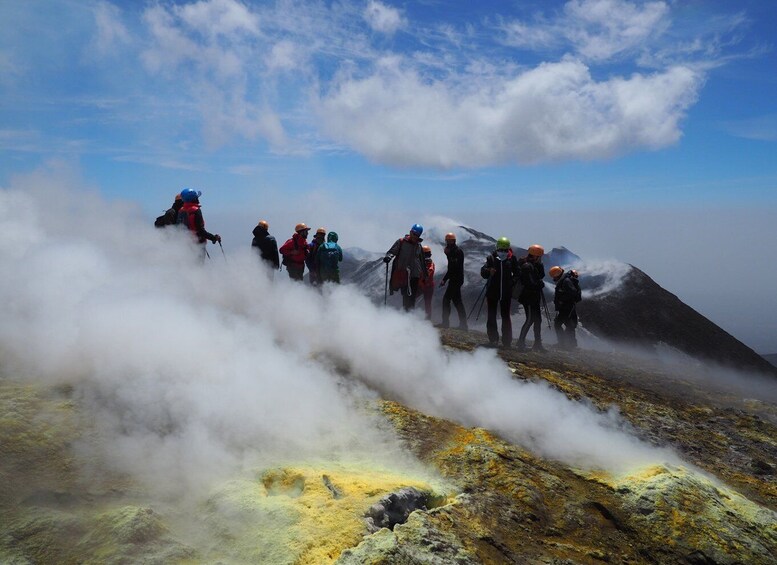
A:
[494,502]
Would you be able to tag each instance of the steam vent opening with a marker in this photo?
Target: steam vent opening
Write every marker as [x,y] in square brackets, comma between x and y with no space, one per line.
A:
[394,508]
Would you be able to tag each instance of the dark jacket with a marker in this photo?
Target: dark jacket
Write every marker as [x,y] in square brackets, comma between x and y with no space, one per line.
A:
[567,292]
[408,255]
[190,216]
[500,284]
[268,247]
[531,275]
[455,273]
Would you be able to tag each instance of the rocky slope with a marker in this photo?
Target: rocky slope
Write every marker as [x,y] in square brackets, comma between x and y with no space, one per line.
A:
[483,499]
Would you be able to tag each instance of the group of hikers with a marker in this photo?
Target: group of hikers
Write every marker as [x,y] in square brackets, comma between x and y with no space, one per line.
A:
[507,277]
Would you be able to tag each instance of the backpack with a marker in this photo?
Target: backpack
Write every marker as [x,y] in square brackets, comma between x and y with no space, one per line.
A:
[329,256]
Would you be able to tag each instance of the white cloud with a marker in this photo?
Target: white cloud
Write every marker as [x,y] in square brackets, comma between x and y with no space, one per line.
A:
[111,32]
[761,128]
[555,111]
[600,29]
[219,17]
[595,30]
[382,18]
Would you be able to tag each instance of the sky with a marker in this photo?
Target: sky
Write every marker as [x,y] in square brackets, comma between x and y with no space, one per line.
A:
[639,131]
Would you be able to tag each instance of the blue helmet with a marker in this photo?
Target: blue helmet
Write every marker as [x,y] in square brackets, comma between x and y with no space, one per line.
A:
[417,229]
[190,195]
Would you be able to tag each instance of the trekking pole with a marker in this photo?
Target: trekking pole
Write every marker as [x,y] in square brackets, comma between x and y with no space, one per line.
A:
[477,300]
[481,308]
[385,291]
[206,252]
[545,305]
[222,251]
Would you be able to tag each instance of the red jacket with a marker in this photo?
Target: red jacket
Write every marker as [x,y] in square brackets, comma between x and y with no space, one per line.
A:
[428,282]
[294,251]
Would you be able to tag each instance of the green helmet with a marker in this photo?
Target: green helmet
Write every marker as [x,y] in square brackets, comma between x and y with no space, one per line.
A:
[502,243]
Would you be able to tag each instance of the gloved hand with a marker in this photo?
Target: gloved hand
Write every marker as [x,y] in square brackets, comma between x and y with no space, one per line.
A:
[387,259]
[216,238]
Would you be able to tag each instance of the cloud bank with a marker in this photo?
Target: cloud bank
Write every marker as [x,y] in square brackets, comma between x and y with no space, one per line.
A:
[592,80]
[193,371]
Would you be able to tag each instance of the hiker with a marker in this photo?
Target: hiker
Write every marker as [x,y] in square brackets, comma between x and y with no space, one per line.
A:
[567,295]
[408,266]
[266,244]
[190,216]
[426,285]
[310,261]
[170,217]
[455,276]
[328,259]
[295,252]
[532,271]
[501,270]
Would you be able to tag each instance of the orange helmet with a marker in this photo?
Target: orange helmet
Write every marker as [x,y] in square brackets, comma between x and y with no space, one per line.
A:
[263,224]
[321,231]
[555,272]
[536,250]
[301,227]
[427,249]
[450,237]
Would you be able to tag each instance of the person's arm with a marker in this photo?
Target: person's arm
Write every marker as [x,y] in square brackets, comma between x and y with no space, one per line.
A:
[202,233]
[272,245]
[393,251]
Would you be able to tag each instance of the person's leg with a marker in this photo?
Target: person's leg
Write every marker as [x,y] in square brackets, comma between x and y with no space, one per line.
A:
[537,323]
[428,294]
[446,306]
[525,327]
[459,304]
[507,322]
[493,334]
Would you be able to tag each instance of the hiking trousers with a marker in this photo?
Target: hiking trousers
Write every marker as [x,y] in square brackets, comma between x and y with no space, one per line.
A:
[507,324]
[533,318]
[296,273]
[409,294]
[428,295]
[565,324]
[453,293]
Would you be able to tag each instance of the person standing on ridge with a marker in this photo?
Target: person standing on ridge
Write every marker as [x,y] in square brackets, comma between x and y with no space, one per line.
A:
[454,276]
[190,216]
[501,270]
[295,252]
[532,271]
[567,295]
[426,286]
[310,261]
[328,259]
[266,244]
[408,266]
[170,217]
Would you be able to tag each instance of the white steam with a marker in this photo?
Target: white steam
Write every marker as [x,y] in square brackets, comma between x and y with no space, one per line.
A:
[192,370]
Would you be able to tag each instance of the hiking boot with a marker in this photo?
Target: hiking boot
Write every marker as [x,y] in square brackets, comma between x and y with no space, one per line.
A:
[491,344]
[442,325]
[520,346]
[505,346]
[538,348]
[463,327]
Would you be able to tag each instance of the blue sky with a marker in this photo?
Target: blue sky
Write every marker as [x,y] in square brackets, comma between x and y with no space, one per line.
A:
[640,131]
